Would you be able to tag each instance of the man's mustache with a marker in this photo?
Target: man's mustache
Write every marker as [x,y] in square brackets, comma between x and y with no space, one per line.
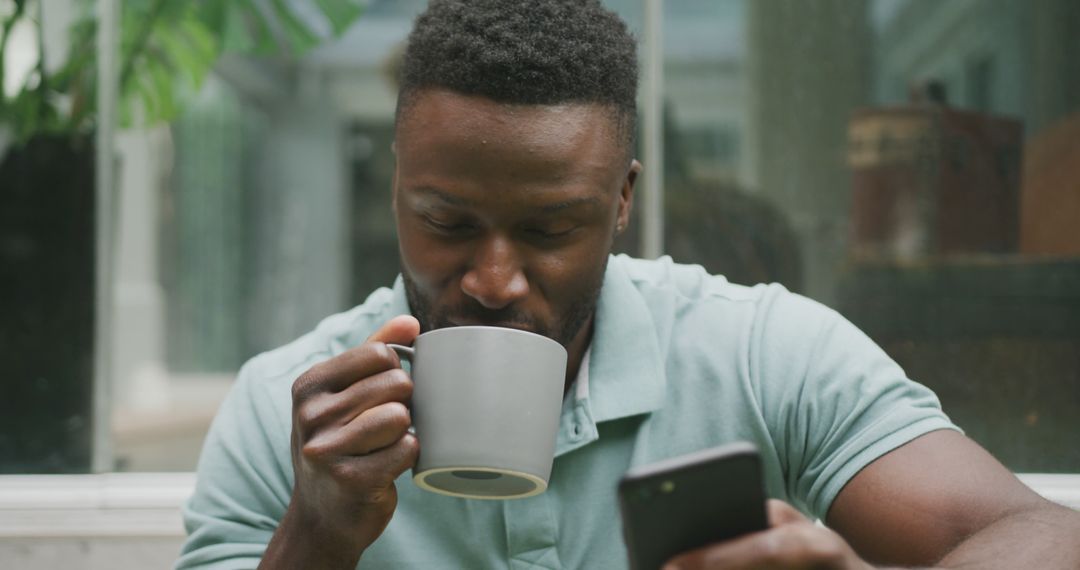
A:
[478,314]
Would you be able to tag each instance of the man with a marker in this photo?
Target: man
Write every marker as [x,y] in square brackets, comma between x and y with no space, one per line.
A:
[514,174]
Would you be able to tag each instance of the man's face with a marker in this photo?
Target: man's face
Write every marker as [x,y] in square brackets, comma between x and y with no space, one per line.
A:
[506,213]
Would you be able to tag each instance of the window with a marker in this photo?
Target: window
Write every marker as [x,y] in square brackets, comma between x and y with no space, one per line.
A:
[911,164]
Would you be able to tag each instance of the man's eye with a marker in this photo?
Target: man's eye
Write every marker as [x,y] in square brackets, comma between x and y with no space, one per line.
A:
[447,227]
[550,234]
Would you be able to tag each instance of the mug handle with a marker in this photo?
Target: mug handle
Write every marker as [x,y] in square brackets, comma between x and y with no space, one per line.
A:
[406,352]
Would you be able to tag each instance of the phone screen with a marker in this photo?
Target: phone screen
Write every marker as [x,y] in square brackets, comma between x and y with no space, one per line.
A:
[688,502]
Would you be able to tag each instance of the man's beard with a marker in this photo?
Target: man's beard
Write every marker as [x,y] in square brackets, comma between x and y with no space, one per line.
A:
[563,331]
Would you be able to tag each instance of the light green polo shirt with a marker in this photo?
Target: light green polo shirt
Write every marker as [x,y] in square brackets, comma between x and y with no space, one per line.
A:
[680,361]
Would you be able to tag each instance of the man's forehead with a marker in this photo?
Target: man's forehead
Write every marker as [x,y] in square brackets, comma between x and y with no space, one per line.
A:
[433,103]
[460,127]
[554,201]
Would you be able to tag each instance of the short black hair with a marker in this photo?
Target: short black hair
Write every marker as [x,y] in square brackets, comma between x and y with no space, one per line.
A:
[531,52]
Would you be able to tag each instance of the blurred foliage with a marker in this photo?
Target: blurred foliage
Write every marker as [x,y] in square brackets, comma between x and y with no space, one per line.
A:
[166,49]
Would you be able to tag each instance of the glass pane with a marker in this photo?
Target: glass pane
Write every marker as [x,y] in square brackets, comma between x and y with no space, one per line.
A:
[912,164]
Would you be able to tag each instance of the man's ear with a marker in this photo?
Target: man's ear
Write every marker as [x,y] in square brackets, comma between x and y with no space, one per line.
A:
[626,197]
[393,180]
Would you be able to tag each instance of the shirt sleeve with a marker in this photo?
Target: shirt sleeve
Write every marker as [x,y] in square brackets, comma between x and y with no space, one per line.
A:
[244,481]
[834,401]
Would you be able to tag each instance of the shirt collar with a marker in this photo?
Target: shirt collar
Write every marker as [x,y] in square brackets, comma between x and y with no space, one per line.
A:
[399,304]
[626,369]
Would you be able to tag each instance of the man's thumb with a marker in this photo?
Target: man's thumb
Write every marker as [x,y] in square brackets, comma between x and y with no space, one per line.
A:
[781,513]
[398,330]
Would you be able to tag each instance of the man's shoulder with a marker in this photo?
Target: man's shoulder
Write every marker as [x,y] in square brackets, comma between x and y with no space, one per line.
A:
[693,284]
[332,336]
[688,300]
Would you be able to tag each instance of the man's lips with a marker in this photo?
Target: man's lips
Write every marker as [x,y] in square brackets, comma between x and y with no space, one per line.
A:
[503,324]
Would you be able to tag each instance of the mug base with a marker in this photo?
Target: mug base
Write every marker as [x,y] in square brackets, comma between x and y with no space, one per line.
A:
[472,482]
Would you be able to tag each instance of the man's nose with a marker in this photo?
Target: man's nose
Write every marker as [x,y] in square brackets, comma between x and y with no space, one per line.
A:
[496,278]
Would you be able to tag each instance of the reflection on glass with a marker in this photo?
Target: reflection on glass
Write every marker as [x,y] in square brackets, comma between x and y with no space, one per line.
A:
[911,164]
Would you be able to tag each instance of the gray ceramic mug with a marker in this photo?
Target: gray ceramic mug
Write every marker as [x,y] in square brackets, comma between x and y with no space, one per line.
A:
[485,407]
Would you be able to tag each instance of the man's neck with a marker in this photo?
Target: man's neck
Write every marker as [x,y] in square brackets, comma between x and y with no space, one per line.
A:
[575,351]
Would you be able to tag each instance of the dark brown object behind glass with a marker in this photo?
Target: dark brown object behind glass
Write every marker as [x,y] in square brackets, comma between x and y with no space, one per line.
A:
[929,180]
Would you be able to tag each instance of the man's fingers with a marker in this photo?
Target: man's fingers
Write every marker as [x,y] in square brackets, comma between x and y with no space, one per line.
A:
[781,513]
[368,359]
[732,555]
[344,370]
[767,549]
[333,410]
[392,385]
[372,430]
[380,468]
[788,546]
[398,330]
[377,428]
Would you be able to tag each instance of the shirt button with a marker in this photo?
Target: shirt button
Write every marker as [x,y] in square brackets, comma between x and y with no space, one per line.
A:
[575,431]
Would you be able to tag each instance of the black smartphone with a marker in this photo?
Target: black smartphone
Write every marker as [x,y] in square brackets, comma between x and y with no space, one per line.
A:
[687,502]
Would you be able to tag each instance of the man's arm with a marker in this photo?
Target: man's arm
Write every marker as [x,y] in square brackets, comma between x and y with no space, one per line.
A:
[349,443]
[941,499]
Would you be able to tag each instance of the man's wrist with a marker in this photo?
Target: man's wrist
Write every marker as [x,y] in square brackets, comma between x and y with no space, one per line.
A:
[303,542]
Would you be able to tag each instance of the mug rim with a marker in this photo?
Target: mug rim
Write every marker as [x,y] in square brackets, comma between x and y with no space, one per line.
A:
[489,327]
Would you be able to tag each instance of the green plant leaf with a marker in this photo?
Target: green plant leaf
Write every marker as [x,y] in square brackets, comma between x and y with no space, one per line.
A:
[145,104]
[161,76]
[246,29]
[186,60]
[24,109]
[166,49]
[300,37]
[213,14]
[190,48]
[234,33]
[202,41]
[340,13]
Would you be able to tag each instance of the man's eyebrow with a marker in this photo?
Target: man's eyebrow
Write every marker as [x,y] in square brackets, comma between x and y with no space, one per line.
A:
[444,196]
[565,204]
[546,208]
